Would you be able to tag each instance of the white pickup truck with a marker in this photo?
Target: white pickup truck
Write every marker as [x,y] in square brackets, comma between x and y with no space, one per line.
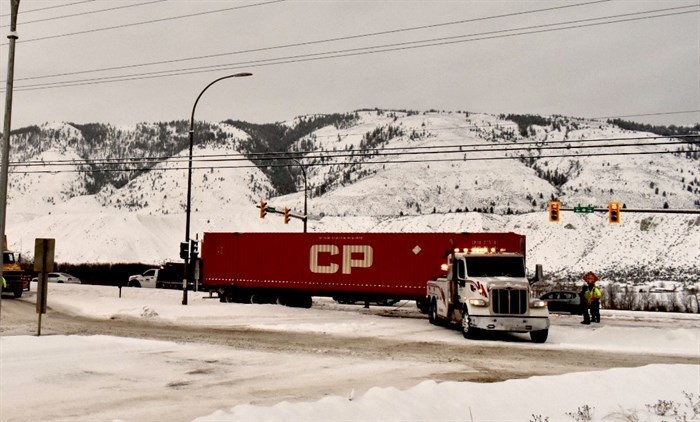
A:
[147,279]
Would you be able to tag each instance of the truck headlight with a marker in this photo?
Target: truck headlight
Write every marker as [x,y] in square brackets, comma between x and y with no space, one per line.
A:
[477,302]
[538,304]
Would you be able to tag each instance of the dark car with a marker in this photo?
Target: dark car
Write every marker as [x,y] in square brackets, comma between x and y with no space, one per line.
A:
[563,301]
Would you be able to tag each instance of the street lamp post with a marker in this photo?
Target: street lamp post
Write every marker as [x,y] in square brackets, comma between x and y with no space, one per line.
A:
[303,172]
[188,271]
[5,160]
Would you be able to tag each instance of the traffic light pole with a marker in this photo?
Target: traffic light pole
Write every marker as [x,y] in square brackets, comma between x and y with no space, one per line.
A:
[303,172]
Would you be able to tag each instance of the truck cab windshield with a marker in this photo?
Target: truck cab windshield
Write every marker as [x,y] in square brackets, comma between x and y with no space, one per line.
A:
[8,258]
[495,266]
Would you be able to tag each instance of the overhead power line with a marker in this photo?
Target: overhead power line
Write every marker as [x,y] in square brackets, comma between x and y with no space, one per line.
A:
[328,155]
[505,33]
[337,163]
[504,123]
[315,42]
[90,12]
[148,22]
[50,7]
[647,114]
[530,145]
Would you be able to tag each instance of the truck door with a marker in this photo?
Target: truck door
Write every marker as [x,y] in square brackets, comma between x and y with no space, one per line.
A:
[457,277]
[149,278]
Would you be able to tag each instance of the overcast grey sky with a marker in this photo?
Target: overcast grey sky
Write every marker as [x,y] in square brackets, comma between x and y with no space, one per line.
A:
[449,55]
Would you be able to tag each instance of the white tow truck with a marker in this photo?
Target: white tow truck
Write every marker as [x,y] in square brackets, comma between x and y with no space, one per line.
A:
[486,289]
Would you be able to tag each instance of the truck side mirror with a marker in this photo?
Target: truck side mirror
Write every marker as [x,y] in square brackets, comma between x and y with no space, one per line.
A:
[539,276]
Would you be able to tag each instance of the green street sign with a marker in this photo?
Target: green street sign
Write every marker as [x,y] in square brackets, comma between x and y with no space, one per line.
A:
[584,210]
[271,209]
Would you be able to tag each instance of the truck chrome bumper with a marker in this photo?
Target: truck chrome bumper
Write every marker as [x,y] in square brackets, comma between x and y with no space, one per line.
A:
[520,324]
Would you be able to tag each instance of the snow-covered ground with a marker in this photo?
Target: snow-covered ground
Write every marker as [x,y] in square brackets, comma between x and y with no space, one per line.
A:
[67,377]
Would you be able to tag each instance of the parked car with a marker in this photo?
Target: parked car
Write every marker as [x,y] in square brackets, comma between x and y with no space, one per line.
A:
[60,278]
[563,301]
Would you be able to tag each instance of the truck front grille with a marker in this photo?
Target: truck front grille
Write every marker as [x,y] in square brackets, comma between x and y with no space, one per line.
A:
[509,301]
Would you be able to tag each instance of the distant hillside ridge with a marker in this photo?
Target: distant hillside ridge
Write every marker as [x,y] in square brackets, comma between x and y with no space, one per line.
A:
[375,152]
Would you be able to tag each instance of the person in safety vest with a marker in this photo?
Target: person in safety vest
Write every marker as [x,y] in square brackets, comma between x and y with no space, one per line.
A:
[584,305]
[593,296]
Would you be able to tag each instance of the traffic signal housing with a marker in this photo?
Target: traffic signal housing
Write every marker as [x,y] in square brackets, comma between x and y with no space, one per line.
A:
[263,209]
[554,207]
[194,248]
[286,215]
[184,250]
[614,212]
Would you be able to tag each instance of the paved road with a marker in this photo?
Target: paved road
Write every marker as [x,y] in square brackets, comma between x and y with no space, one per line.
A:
[492,359]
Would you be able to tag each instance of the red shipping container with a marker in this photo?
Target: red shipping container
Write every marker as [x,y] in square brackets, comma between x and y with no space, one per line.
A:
[396,265]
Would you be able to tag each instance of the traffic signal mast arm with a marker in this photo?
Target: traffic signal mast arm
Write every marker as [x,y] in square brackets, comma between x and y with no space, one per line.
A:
[614,211]
[642,210]
[274,210]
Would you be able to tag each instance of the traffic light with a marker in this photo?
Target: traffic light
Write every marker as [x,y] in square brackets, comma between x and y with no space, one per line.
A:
[263,209]
[554,211]
[614,212]
[286,215]
[184,250]
[194,248]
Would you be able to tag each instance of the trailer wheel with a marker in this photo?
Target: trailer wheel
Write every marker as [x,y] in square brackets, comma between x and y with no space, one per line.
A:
[539,336]
[467,331]
[300,301]
[259,299]
[18,293]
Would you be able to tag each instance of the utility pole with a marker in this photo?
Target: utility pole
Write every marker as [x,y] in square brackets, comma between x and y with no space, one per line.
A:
[14,5]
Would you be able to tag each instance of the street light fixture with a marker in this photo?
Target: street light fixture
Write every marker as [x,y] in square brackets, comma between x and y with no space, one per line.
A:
[188,272]
[303,172]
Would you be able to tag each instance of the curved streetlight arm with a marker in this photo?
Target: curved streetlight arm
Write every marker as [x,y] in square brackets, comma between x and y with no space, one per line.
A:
[191,134]
[188,273]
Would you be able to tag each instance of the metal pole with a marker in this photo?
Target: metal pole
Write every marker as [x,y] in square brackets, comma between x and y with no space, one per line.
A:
[303,172]
[14,4]
[188,272]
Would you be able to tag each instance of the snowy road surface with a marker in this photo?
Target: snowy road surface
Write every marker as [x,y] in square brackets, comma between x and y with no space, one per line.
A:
[210,355]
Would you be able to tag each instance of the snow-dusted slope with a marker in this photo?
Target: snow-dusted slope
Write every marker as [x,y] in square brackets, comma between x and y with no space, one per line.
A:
[163,190]
[406,188]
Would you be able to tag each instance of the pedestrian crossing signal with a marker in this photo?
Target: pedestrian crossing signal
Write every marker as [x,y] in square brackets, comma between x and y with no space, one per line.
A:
[614,212]
[554,207]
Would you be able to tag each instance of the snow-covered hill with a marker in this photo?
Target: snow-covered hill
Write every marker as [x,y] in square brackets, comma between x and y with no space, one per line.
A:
[382,171]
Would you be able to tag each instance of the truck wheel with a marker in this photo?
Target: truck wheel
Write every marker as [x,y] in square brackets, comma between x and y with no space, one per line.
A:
[467,331]
[423,305]
[18,293]
[432,312]
[539,336]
